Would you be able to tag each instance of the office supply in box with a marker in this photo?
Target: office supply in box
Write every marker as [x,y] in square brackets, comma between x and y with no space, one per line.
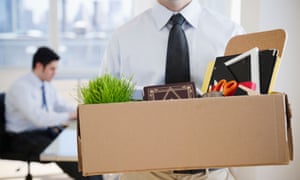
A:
[268,68]
[227,88]
[245,67]
[244,70]
[269,61]
[265,40]
[170,91]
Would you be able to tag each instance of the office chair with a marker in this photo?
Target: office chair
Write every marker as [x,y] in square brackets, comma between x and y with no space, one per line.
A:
[5,151]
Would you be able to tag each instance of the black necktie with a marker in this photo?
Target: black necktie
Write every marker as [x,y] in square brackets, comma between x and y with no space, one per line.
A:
[177,67]
[44,101]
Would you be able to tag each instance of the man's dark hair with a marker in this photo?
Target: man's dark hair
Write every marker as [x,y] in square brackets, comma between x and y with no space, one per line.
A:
[44,55]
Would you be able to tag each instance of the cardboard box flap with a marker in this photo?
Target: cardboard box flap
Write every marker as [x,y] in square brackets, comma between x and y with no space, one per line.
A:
[79,154]
[274,39]
[289,134]
[289,128]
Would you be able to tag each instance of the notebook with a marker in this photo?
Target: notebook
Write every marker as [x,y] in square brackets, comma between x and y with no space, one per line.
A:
[170,91]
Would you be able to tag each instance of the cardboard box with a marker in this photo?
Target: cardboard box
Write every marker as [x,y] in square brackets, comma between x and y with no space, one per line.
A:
[184,134]
[189,133]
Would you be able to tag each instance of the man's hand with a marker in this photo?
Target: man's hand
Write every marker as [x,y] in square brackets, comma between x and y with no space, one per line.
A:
[73,116]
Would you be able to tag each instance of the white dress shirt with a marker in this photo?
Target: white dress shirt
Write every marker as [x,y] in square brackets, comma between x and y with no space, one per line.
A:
[138,49]
[24,108]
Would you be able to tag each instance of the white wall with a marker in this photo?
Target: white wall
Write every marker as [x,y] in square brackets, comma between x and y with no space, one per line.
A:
[141,5]
[285,14]
[260,15]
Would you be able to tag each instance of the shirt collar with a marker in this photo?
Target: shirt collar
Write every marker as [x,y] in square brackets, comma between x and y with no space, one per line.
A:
[162,15]
[35,79]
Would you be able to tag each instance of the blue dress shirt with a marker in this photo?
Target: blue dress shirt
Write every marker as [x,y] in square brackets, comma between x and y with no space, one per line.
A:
[24,105]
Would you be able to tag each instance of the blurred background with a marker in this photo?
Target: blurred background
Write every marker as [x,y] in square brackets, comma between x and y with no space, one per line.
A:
[80,29]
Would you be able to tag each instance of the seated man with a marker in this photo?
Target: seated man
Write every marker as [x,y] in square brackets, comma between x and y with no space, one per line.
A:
[35,112]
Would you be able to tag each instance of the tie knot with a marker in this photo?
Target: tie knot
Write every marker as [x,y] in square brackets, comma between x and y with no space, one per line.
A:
[177,19]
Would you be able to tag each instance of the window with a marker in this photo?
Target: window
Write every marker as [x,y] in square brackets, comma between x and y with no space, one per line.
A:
[78,29]
[23,26]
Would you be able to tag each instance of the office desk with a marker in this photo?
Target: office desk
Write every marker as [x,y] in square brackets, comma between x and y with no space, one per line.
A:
[64,147]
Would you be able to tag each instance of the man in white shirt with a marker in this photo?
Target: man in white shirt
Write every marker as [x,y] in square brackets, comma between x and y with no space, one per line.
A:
[138,49]
[35,112]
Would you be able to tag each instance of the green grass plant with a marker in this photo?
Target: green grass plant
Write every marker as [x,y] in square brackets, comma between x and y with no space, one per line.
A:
[107,89]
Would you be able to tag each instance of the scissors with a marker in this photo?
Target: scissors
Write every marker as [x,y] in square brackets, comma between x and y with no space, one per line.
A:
[227,88]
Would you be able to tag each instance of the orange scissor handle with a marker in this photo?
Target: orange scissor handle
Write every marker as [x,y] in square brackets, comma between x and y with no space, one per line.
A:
[229,88]
[219,85]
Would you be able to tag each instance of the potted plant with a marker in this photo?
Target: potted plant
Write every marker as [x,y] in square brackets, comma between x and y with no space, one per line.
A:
[106,89]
